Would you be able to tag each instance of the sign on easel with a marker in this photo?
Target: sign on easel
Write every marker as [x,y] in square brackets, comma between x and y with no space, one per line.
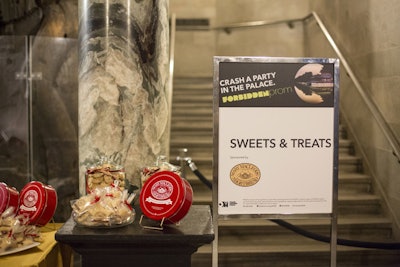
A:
[276,122]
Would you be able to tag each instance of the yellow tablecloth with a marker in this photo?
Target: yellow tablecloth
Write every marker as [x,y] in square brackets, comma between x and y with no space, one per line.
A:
[47,254]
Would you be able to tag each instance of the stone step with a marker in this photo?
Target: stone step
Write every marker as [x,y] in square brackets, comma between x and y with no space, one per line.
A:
[192,124]
[201,149]
[266,240]
[345,165]
[352,199]
[180,84]
[192,107]
[186,131]
[205,158]
[182,137]
[345,222]
[308,254]
[250,242]
[347,203]
[273,232]
[191,96]
[182,125]
[191,113]
[206,168]
[349,183]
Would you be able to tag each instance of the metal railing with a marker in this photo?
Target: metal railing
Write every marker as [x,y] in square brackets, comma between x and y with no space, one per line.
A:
[290,22]
[387,131]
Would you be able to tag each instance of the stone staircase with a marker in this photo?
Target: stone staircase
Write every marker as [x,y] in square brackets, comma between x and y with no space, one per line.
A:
[260,242]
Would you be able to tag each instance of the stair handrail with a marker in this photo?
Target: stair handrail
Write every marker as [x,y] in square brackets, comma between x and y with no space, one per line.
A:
[386,130]
[248,24]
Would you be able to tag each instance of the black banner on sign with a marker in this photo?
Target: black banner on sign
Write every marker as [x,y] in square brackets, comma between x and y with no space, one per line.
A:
[252,84]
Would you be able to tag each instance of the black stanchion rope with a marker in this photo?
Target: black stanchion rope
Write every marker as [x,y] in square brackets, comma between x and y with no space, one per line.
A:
[317,237]
[203,179]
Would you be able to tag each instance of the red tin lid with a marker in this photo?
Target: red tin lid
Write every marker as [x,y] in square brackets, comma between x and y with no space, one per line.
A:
[38,202]
[165,195]
[9,197]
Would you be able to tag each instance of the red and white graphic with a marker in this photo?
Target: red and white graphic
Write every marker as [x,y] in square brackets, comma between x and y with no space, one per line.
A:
[165,195]
[38,202]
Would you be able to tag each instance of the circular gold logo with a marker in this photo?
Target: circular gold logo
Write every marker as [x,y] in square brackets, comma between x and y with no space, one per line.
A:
[245,174]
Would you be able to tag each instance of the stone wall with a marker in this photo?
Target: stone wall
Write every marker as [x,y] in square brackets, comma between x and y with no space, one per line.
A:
[367,34]
[194,50]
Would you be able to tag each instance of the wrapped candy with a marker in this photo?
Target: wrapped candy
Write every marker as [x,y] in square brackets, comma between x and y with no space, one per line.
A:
[161,165]
[103,174]
[104,207]
[15,231]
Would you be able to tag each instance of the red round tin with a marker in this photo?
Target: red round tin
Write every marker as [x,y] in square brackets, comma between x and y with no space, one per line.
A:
[166,196]
[9,197]
[38,202]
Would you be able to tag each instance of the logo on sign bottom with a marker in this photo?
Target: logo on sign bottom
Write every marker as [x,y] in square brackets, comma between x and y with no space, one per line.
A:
[245,174]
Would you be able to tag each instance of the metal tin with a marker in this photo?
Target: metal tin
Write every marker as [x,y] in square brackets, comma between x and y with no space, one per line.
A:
[166,196]
[9,197]
[38,202]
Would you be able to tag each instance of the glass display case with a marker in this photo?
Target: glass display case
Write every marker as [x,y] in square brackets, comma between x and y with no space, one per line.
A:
[39,115]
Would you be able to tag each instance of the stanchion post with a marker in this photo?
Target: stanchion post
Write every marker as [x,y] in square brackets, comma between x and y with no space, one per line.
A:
[182,159]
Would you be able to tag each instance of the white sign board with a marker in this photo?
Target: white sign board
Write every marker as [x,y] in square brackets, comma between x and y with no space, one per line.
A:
[275,135]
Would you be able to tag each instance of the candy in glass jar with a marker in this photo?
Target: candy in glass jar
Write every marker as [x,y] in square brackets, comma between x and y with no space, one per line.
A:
[103,174]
